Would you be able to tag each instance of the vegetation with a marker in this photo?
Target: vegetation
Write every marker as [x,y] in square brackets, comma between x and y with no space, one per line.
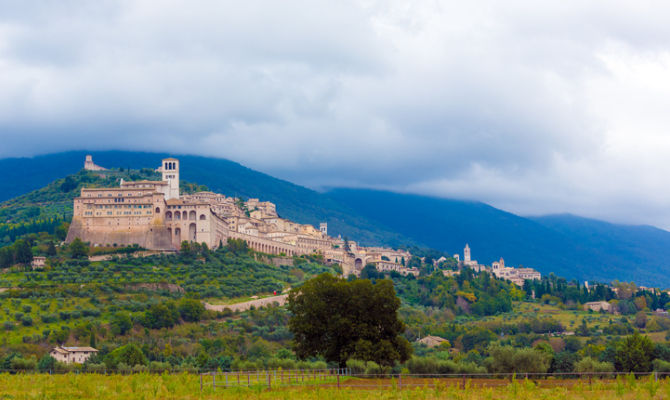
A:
[147,312]
[187,386]
[340,320]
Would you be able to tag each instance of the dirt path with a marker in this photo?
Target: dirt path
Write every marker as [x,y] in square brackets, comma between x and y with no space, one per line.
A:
[281,300]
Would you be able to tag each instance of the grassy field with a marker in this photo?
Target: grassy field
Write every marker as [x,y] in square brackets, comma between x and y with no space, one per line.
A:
[187,386]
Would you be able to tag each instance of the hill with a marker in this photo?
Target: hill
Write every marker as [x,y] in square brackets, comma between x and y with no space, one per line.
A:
[232,179]
[569,246]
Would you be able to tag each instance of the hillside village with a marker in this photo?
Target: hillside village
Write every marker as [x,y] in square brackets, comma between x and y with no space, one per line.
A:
[156,216]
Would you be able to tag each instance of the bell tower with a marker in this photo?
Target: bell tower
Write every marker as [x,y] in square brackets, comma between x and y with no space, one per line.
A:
[170,170]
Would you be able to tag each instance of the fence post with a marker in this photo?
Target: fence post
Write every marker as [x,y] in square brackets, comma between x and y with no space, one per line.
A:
[338,382]
[400,381]
[463,382]
[269,384]
[213,380]
[656,376]
[201,382]
[226,374]
[248,378]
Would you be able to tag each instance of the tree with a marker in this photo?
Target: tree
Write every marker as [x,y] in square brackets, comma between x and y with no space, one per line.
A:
[129,354]
[237,246]
[78,249]
[46,363]
[340,319]
[163,315]
[634,354]
[191,310]
[51,249]
[22,252]
[121,323]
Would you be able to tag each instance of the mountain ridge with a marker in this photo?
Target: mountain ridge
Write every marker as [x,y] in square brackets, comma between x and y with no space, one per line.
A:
[571,246]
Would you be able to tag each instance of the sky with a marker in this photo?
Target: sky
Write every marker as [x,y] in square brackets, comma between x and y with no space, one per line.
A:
[533,107]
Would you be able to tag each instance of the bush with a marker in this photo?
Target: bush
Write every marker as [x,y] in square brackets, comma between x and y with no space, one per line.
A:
[128,356]
[357,367]
[48,318]
[156,366]
[46,363]
[163,315]
[23,364]
[588,364]
[8,326]
[191,310]
[27,321]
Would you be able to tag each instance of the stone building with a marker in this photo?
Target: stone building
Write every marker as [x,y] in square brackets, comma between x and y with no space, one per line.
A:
[90,166]
[154,215]
[69,355]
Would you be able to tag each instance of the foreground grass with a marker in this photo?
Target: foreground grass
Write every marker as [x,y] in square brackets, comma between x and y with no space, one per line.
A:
[187,386]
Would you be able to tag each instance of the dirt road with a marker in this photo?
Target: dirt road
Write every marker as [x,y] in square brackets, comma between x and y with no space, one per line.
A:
[281,300]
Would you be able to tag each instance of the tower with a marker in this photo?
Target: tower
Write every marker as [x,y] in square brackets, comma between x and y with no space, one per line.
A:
[466,254]
[170,170]
[323,227]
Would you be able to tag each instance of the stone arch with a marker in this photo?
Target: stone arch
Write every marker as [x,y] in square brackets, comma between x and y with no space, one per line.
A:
[192,231]
[191,215]
[358,264]
[202,217]
[168,215]
[177,215]
[158,210]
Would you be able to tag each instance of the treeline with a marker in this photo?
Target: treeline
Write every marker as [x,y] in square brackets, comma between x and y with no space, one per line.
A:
[464,293]
[53,226]
[634,353]
[625,298]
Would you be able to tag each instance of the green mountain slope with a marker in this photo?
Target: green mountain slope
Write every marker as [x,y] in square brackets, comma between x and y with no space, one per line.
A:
[293,202]
[569,246]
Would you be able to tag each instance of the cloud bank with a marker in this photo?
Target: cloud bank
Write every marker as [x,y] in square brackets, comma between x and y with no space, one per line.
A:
[558,107]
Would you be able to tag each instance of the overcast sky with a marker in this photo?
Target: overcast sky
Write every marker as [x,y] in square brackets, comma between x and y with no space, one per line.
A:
[534,107]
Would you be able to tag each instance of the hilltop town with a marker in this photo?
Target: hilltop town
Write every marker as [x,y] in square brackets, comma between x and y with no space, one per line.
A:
[156,216]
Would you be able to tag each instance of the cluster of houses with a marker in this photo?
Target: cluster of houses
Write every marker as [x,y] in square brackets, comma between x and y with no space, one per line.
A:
[497,268]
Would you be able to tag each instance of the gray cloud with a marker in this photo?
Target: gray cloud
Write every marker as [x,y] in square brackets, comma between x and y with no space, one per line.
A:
[552,108]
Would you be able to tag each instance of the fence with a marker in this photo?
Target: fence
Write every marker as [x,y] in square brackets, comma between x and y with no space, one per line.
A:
[344,378]
[274,378]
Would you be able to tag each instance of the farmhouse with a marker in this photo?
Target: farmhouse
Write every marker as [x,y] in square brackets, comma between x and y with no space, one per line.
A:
[68,355]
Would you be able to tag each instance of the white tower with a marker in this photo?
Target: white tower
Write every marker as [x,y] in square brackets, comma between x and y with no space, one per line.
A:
[323,227]
[170,170]
[466,254]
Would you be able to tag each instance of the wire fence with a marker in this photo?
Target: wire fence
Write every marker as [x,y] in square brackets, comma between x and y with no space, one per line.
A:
[344,378]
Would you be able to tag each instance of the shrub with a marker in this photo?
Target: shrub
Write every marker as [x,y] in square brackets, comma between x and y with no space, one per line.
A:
[191,310]
[48,318]
[128,356]
[27,321]
[588,364]
[357,367]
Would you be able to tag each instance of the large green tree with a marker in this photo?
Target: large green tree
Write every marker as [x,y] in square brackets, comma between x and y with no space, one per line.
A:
[340,319]
[634,354]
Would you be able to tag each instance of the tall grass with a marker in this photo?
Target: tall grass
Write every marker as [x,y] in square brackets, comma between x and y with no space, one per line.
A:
[187,386]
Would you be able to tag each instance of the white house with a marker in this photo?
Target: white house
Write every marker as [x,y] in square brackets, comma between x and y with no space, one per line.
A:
[69,355]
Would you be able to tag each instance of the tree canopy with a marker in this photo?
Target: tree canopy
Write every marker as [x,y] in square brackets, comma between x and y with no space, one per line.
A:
[340,319]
